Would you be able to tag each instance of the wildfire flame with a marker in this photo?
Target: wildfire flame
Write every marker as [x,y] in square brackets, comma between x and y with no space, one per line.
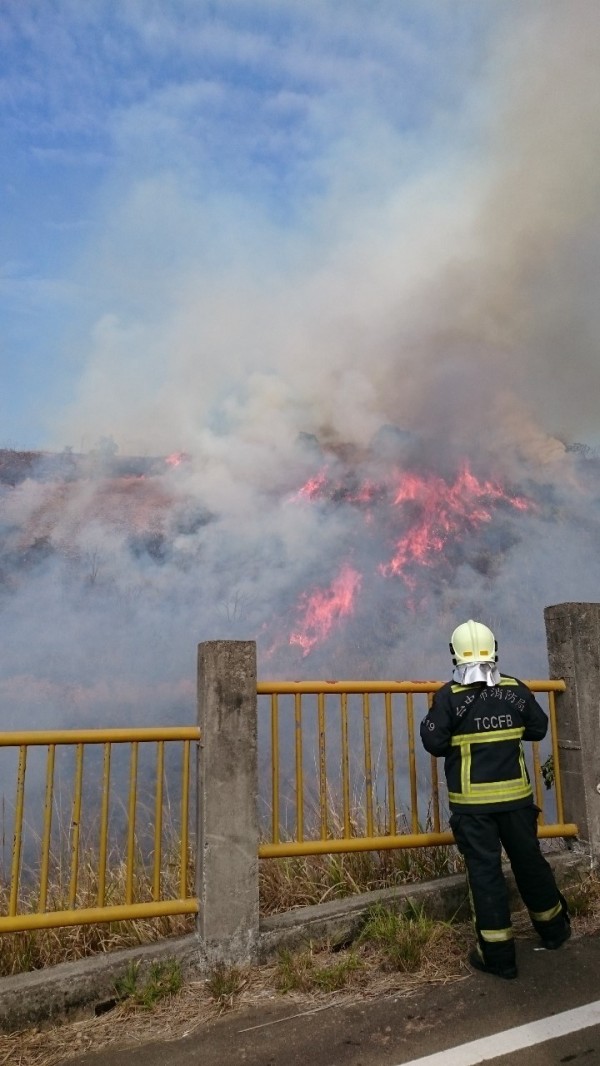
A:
[442,511]
[176,459]
[434,513]
[311,488]
[322,608]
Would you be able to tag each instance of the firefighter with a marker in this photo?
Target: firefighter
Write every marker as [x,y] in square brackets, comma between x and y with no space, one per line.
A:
[477,722]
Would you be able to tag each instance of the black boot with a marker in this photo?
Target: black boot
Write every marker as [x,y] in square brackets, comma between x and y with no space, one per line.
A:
[557,936]
[507,969]
[551,943]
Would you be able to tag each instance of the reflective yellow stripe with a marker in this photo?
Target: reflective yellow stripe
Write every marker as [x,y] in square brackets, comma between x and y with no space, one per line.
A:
[491,797]
[524,773]
[487,738]
[499,786]
[508,681]
[547,916]
[495,936]
[460,688]
[489,791]
[514,785]
[465,768]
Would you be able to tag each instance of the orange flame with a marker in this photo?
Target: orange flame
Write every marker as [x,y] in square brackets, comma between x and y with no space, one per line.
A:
[434,513]
[176,458]
[443,510]
[311,488]
[323,607]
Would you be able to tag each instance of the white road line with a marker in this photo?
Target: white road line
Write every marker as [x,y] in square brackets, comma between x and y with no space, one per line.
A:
[522,1036]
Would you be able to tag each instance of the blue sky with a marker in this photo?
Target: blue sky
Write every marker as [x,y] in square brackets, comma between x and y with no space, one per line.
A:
[168,167]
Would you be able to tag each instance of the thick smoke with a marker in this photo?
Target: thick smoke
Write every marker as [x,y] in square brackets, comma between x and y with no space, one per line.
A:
[109,580]
[459,304]
[450,317]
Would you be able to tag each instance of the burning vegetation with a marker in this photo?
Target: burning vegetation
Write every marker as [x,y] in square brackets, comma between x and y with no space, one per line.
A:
[113,568]
[423,516]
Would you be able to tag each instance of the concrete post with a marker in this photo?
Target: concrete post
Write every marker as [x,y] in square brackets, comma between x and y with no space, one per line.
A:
[573,638]
[227,869]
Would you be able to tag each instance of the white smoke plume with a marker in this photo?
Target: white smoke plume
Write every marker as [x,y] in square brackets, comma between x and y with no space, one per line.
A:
[453,288]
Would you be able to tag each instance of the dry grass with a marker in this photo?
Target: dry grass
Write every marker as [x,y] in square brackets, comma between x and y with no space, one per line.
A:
[307,981]
[301,881]
[375,965]
[284,884]
[33,950]
[304,880]
[393,955]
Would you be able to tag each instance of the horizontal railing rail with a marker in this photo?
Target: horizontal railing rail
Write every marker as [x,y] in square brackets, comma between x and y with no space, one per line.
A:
[98,798]
[405,768]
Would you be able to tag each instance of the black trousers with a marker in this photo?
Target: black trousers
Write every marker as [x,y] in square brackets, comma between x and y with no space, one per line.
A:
[480,839]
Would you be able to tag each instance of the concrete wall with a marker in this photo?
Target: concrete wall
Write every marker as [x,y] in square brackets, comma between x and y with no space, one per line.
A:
[573,637]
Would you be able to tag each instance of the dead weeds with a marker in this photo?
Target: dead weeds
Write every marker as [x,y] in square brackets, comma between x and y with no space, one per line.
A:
[309,981]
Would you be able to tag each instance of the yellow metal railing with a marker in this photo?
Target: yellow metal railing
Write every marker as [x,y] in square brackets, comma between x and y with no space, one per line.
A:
[401,764]
[105,909]
[370,783]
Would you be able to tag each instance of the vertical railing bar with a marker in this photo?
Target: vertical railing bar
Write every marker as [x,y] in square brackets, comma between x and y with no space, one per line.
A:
[47,833]
[102,858]
[185,808]
[410,723]
[537,777]
[368,764]
[18,832]
[158,818]
[299,771]
[275,768]
[345,764]
[131,811]
[389,741]
[76,825]
[322,765]
[560,815]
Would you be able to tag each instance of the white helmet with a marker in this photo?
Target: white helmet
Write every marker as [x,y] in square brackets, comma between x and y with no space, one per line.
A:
[472,642]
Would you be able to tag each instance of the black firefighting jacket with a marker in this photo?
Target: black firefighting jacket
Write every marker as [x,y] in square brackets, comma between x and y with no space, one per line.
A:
[479,731]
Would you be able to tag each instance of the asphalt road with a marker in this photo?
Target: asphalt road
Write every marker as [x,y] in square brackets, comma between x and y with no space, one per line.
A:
[391,1032]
